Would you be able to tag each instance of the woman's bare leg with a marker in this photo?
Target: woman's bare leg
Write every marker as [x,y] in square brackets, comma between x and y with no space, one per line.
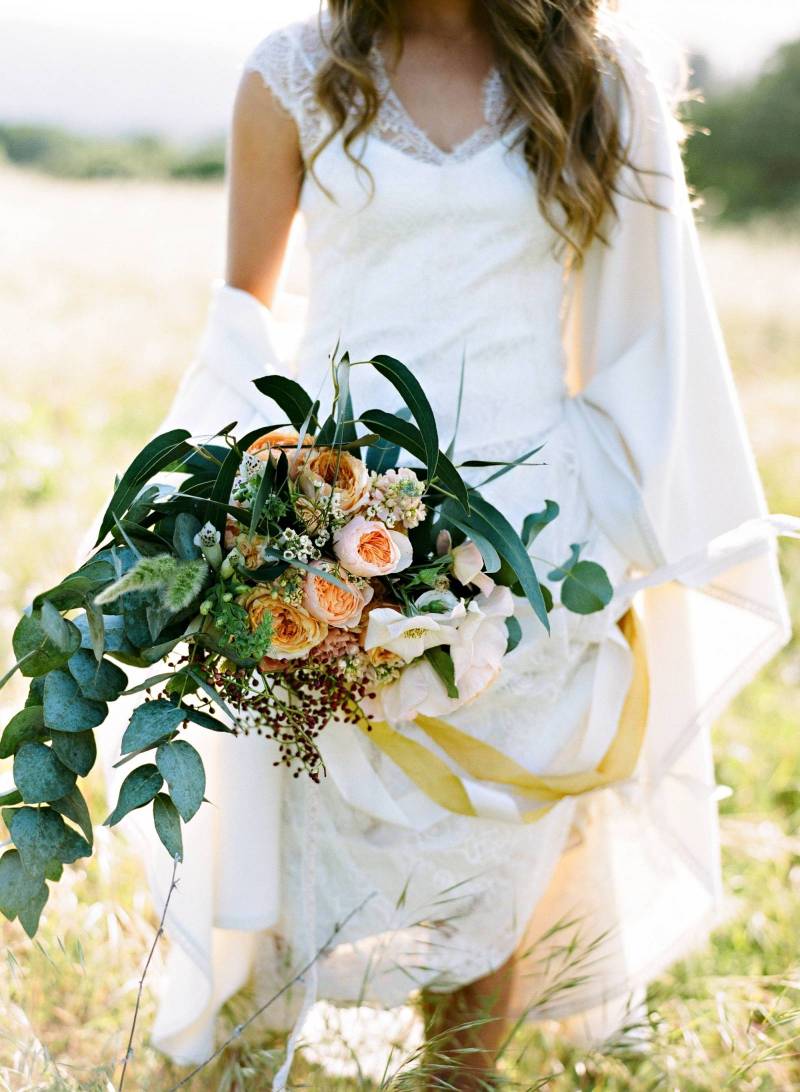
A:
[462,1057]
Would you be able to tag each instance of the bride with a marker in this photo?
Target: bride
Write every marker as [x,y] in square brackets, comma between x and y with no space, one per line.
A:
[498,183]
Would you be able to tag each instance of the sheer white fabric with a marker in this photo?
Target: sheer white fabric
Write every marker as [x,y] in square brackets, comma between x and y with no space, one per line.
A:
[621,372]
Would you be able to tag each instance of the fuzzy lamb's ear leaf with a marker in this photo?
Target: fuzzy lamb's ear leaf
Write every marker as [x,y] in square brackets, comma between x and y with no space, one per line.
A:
[138,789]
[168,825]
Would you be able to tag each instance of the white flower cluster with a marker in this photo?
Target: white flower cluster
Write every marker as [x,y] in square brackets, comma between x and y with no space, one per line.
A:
[395,498]
[298,547]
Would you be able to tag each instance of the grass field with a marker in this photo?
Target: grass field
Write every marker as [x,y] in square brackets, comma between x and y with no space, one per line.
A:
[103,289]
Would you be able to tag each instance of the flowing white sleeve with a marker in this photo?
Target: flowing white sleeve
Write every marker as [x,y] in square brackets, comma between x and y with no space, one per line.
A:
[239,344]
[663,448]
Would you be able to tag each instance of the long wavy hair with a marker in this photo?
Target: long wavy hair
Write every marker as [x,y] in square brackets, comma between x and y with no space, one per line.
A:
[551,56]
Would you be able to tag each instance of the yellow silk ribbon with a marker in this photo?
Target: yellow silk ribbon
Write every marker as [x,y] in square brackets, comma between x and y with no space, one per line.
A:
[483,762]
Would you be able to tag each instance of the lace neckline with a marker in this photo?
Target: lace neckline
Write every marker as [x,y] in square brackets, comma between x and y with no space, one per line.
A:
[395,126]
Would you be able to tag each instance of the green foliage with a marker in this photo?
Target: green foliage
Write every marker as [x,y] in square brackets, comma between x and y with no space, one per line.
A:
[151,723]
[40,775]
[77,750]
[28,724]
[36,651]
[442,663]
[183,771]
[138,789]
[65,707]
[21,894]
[168,825]
[746,150]
[239,641]
[68,155]
[101,681]
[586,587]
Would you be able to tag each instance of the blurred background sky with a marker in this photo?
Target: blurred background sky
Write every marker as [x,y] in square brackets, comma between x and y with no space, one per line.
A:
[171,67]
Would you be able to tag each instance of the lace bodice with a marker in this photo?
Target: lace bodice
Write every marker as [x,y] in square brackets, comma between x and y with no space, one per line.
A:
[431,256]
[289,59]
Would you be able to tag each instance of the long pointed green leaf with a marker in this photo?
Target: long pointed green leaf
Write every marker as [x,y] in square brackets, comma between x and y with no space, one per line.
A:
[408,387]
[485,519]
[397,431]
[159,453]
[289,395]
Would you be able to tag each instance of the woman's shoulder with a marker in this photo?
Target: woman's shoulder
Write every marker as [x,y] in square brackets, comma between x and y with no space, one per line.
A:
[288,58]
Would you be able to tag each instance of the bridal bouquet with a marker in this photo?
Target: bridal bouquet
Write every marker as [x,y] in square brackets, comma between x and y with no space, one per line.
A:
[283,581]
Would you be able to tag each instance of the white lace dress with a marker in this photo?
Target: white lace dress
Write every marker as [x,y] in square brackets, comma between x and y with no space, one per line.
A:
[430,256]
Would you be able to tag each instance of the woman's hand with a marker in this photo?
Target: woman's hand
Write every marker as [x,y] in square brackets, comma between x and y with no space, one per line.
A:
[265,171]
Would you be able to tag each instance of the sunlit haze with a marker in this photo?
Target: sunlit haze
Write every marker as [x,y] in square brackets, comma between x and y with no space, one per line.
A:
[147,64]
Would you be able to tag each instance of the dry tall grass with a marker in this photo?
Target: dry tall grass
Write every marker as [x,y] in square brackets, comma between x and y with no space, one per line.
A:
[103,289]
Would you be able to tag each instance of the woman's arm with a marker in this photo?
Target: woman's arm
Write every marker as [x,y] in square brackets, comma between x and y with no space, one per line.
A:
[265,173]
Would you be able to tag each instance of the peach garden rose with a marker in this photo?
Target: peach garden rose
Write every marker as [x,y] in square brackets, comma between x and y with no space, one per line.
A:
[368,548]
[294,631]
[332,604]
[329,471]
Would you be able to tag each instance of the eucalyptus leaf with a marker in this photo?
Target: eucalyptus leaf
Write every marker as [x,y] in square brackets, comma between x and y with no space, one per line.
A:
[10,799]
[138,789]
[289,396]
[40,775]
[586,588]
[18,888]
[77,750]
[410,390]
[183,771]
[30,914]
[535,523]
[186,527]
[492,525]
[514,630]
[57,629]
[73,847]
[28,724]
[65,707]
[168,825]
[38,834]
[101,681]
[32,644]
[151,723]
[73,807]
